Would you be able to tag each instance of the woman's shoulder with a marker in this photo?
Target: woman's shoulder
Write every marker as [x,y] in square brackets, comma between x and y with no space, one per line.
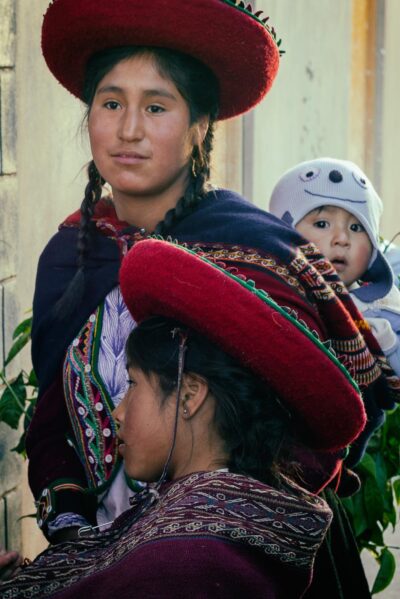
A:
[207,484]
[225,217]
[232,200]
[236,502]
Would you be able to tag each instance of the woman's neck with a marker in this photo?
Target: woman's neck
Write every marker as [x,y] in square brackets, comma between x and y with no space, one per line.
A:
[145,212]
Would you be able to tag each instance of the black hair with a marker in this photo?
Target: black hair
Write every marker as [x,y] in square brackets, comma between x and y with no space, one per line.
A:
[253,425]
[199,87]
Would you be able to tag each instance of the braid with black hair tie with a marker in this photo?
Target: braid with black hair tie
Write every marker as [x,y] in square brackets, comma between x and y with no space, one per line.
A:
[196,189]
[93,193]
[74,292]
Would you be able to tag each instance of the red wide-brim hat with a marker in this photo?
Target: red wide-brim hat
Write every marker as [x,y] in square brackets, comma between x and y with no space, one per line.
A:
[229,38]
[162,279]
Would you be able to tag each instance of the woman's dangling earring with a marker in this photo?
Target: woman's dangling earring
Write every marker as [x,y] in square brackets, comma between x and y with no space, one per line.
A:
[194,172]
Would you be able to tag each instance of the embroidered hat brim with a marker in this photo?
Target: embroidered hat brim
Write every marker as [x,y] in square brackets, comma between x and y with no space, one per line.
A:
[229,39]
[163,279]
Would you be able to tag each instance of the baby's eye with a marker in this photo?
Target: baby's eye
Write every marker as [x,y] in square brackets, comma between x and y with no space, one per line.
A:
[130,383]
[357,228]
[310,174]
[155,109]
[112,105]
[321,224]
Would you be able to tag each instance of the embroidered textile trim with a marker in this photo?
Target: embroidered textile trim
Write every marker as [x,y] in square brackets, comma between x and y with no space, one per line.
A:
[223,507]
[90,406]
[237,256]
[310,266]
[46,504]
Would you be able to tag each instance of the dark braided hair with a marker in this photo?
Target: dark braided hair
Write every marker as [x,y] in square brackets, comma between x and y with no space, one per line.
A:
[196,188]
[256,429]
[199,87]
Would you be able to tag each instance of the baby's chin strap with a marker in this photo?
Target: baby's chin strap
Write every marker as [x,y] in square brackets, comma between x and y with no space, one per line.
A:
[151,492]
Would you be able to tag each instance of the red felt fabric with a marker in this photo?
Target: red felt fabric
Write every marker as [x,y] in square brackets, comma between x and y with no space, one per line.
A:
[158,278]
[234,45]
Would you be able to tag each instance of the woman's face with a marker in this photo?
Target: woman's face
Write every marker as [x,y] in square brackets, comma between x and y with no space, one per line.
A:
[146,427]
[140,132]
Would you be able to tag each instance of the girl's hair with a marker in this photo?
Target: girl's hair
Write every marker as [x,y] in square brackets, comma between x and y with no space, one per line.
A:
[199,87]
[254,426]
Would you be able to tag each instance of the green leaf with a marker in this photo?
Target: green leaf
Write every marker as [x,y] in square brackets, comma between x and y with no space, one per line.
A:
[381,472]
[29,413]
[347,503]
[32,379]
[386,571]
[376,536]
[367,465]
[359,520]
[17,346]
[20,447]
[12,402]
[396,488]
[24,327]
[373,501]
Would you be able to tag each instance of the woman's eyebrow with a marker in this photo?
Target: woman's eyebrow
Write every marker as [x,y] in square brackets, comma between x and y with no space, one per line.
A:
[160,92]
[106,89]
[109,89]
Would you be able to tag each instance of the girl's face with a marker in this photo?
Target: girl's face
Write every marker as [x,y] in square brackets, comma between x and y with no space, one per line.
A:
[140,132]
[146,427]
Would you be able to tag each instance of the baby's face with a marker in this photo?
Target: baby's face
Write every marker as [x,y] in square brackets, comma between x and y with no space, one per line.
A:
[341,238]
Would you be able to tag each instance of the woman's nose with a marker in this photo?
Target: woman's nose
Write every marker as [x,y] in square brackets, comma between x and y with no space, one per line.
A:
[131,126]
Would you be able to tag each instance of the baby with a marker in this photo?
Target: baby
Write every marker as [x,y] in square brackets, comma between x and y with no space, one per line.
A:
[333,204]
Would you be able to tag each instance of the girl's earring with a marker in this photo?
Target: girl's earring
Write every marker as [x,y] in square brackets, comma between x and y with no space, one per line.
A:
[185,410]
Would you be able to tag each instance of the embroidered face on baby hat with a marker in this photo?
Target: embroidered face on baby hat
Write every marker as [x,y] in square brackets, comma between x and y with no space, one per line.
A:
[332,182]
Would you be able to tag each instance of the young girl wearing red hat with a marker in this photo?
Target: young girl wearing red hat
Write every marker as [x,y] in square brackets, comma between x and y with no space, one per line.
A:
[154,86]
[200,423]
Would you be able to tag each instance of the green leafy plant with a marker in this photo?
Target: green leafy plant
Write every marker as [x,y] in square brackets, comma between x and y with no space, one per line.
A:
[19,394]
[374,509]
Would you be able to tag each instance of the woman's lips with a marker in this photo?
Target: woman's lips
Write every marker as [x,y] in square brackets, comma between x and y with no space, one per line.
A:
[129,158]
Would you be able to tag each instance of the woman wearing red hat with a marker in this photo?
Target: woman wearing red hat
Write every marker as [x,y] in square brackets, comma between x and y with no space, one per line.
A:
[220,515]
[154,86]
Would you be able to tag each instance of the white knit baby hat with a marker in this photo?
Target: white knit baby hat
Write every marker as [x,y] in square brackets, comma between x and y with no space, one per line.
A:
[331,182]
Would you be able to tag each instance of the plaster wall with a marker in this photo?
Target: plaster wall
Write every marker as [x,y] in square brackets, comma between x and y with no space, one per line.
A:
[306,113]
[51,152]
[390,143]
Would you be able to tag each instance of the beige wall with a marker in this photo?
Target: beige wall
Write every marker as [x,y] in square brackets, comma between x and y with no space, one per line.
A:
[336,94]
[390,143]
[306,113]
[10,466]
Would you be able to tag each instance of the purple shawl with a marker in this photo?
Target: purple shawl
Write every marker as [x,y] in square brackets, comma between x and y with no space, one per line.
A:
[209,534]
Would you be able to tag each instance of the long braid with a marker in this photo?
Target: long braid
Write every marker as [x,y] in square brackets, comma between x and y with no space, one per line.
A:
[73,294]
[93,193]
[196,188]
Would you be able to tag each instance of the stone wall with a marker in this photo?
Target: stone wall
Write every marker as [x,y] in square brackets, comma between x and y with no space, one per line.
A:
[10,464]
